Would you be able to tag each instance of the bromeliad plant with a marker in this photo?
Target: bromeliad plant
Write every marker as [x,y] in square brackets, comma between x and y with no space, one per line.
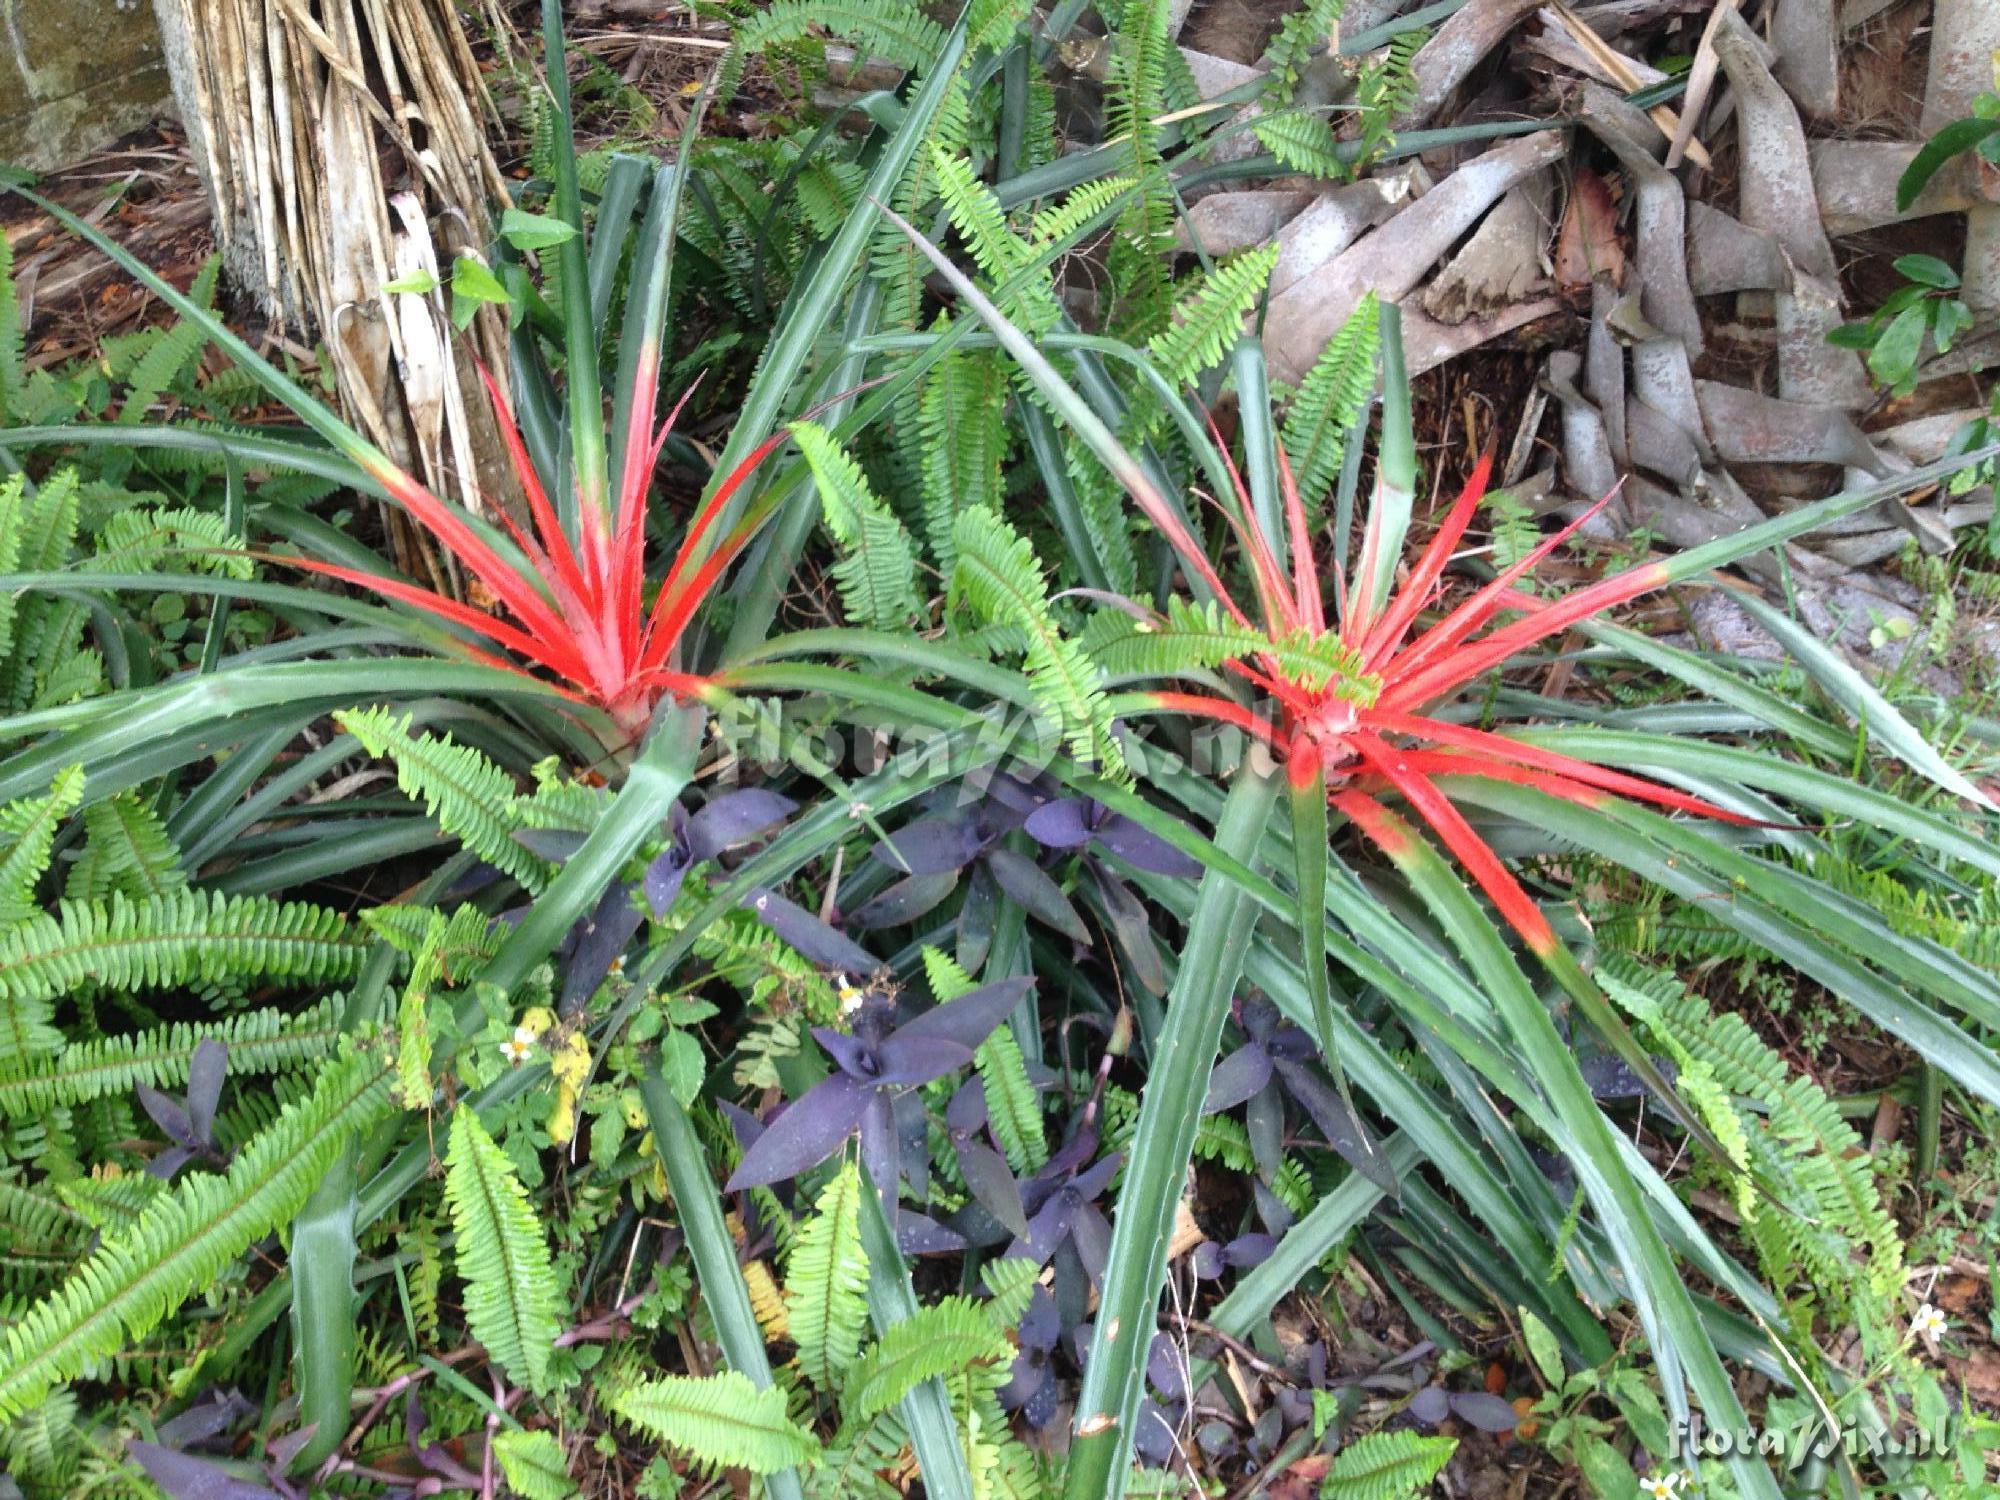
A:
[572,581]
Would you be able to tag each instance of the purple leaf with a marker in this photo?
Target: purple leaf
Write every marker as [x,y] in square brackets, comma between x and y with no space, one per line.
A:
[437,1458]
[168,1115]
[1144,849]
[908,899]
[1207,1261]
[1487,1413]
[1164,1368]
[733,817]
[1048,1226]
[1343,1129]
[1271,1208]
[746,1125]
[918,1234]
[1016,798]
[600,940]
[665,875]
[1236,1078]
[204,1087]
[1041,1324]
[812,937]
[992,1184]
[970,1018]
[1248,1250]
[1153,1435]
[1090,1232]
[806,1134]
[852,1055]
[215,1413]
[283,1450]
[169,1162]
[1060,825]
[966,1114]
[930,846]
[908,1060]
[1022,879]
[1093,1182]
[1131,927]
[977,914]
[185,1477]
[1431,1405]
[882,1150]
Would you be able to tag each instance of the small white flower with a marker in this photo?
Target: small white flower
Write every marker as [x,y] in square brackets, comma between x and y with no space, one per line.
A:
[850,997]
[518,1046]
[1662,1486]
[1928,1323]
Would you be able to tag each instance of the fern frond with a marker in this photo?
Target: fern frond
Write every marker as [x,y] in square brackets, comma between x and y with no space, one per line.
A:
[1309,29]
[13,352]
[991,24]
[138,539]
[1331,401]
[1010,1286]
[170,353]
[28,831]
[998,574]
[471,798]
[720,1421]
[949,1337]
[1303,142]
[826,1282]
[1208,318]
[12,505]
[1386,1466]
[1794,1134]
[511,1301]
[1011,1105]
[126,850]
[259,1041]
[534,1463]
[186,1237]
[186,937]
[861,1453]
[1196,637]
[876,566]
[961,418]
[894,31]
[425,1277]
[1083,204]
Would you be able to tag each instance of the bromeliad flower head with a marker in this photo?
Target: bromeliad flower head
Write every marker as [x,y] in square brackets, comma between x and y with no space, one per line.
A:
[1354,704]
[574,595]
[1927,1323]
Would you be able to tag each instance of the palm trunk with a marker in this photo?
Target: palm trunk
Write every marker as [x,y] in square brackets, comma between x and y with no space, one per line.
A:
[336,139]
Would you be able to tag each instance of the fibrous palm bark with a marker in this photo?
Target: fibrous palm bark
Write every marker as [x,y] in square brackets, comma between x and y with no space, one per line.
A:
[344,146]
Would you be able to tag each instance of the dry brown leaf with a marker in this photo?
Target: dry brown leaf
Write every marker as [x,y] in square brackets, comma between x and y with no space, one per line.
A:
[1588,246]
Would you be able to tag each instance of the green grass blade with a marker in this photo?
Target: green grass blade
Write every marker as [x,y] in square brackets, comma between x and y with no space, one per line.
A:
[580,378]
[322,1262]
[1687,1359]
[1395,474]
[812,307]
[926,1409]
[1876,715]
[1218,940]
[711,1246]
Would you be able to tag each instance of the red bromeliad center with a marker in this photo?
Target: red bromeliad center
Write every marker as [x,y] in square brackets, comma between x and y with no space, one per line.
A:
[1371,733]
[577,611]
